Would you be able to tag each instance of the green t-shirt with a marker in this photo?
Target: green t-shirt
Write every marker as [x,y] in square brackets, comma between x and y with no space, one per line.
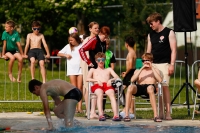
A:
[11,40]
[110,58]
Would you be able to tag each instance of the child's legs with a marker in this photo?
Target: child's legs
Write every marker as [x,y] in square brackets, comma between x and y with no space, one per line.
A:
[93,113]
[84,68]
[197,84]
[20,65]
[132,106]
[85,94]
[32,60]
[111,95]
[99,93]
[74,81]
[42,70]
[10,65]
[11,62]
[80,86]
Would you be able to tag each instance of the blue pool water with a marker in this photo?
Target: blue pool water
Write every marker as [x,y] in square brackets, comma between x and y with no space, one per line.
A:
[122,128]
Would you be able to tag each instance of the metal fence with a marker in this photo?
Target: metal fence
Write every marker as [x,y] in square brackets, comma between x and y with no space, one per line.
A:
[18,92]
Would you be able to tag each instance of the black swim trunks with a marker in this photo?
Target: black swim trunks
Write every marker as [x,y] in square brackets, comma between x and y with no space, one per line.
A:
[127,78]
[74,94]
[142,90]
[36,53]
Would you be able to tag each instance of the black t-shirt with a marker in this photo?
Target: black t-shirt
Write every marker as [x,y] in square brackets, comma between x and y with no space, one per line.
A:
[160,46]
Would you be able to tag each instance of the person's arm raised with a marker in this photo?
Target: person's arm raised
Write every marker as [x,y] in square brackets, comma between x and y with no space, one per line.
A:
[149,45]
[136,74]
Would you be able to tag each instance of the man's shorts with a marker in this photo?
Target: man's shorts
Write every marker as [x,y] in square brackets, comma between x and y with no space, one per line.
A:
[127,78]
[74,94]
[163,67]
[142,90]
[37,53]
[104,87]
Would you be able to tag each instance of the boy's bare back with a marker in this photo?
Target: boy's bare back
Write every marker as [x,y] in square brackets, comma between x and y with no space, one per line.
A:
[57,87]
[130,59]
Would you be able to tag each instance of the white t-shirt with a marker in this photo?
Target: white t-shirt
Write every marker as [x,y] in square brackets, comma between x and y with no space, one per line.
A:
[73,64]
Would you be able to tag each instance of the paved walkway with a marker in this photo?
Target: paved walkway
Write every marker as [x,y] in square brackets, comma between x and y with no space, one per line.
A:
[22,120]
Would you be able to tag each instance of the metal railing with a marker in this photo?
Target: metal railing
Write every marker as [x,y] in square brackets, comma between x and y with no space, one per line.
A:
[194,75]
[18,92]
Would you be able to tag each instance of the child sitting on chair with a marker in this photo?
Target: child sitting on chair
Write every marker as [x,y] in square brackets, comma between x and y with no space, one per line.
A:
[102,80]
[146,78]
[197,84]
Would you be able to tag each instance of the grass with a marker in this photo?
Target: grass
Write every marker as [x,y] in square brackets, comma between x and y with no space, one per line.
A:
[21,92]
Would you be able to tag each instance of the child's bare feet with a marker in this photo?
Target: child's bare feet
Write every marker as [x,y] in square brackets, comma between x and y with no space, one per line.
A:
[12,78]
[19,79]
[94,116]
[79,111]
[168,116]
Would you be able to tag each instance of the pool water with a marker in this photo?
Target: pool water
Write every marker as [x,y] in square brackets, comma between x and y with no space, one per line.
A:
[119,129]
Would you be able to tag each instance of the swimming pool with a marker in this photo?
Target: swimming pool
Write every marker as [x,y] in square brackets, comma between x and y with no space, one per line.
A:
[119,129]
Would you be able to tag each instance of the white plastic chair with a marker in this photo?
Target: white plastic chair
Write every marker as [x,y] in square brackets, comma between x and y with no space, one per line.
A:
[118,87]
[195,102]
[158,95]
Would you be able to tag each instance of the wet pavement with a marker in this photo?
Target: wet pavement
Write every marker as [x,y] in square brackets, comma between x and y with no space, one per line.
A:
[19,120]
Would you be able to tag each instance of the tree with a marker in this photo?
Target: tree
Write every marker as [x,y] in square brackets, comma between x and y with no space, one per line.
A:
[133,20]
[57,16]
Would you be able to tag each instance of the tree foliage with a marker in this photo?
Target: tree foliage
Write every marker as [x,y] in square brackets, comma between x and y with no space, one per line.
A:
[57,16]
[134,17]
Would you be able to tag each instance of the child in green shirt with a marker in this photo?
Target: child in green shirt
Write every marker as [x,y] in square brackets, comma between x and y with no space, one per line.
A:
[110,57]
[12,49]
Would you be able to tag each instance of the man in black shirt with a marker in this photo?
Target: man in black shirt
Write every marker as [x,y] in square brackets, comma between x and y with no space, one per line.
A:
[162,44]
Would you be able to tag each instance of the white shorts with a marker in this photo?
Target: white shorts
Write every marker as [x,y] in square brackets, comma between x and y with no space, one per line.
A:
[163,67]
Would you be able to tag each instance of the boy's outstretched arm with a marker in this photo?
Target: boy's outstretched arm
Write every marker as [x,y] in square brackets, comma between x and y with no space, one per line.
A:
[45,47]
